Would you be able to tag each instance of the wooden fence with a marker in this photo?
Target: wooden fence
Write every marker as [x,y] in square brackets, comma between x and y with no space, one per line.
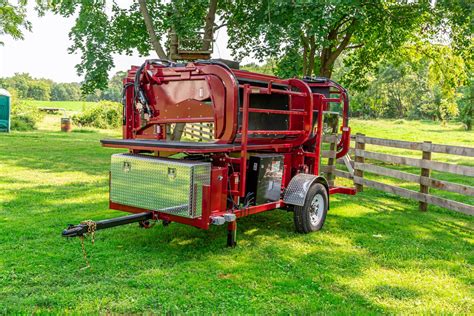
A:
[363,157]
[361,164]
[200,131]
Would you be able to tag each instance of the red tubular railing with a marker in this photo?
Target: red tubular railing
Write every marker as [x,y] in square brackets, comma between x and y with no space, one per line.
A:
[275,132]
[244,132]
[294,112]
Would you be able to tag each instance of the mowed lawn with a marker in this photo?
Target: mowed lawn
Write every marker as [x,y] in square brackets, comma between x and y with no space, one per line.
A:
[75,106]
[376,253]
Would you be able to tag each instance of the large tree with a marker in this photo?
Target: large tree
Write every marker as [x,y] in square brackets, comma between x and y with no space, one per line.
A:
[308,36]
[104,28]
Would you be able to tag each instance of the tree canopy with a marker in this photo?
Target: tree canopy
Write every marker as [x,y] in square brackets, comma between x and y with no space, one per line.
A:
[307,37]
[422,47]
[100,32]
[13,20]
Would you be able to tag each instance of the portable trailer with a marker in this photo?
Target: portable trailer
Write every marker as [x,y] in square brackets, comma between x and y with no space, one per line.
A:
[265,154]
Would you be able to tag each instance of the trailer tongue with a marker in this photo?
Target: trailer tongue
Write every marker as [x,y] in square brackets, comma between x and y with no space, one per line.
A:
[265,153]
[82,229]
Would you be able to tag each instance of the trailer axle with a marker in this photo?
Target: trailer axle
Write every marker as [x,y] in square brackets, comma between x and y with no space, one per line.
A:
[81,229]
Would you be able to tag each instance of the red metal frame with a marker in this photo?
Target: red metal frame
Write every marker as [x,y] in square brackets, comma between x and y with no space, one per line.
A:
[207,92]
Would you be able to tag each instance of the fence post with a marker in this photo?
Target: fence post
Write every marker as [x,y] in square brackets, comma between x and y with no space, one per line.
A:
[359,144]
[426,155]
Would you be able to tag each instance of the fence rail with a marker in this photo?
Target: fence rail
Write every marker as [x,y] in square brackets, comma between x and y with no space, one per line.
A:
[362,165]
[200,131]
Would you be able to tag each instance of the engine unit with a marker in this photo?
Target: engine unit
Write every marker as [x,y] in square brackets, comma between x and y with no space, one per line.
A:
[168,185]
[264,177]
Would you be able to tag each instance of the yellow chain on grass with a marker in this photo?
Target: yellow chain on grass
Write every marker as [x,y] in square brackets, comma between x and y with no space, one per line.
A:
[91,227]
[84,253]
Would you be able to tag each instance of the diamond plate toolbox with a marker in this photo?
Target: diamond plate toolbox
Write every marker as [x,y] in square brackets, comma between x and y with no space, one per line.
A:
[167,185]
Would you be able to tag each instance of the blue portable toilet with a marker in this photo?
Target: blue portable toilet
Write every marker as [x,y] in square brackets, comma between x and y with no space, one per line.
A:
[5,105]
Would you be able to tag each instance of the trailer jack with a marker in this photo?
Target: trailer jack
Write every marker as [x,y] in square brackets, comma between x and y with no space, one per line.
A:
[82,229]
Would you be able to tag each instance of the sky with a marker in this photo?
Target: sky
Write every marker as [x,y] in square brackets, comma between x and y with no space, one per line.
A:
[43,52]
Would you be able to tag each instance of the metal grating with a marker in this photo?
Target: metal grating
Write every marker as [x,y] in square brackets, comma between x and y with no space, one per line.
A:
[167,185]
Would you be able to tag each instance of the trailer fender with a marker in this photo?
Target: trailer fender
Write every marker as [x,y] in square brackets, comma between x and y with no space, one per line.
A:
[297,189]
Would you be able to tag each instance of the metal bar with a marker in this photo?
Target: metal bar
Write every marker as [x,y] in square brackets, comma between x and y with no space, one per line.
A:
[244,132]
[278,91]
[327,100]
[81,229]
[269,111]
[342,190]
[196,222]
[276,132]
[319,133]
[259,208]
[261,90]
[181,120]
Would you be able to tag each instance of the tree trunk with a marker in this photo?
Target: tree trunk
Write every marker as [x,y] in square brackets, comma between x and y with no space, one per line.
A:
[311,56]
[155,42]
[329,54]
[304,41]
[325,70]
[209,26]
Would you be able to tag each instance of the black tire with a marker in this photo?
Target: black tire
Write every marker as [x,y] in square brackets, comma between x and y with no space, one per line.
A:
[307,220]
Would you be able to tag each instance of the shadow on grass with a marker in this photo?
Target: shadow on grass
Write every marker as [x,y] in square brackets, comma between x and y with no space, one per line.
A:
[57,152]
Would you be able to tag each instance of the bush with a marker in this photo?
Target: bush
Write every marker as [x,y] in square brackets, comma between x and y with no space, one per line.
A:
[103,114]
[24,117]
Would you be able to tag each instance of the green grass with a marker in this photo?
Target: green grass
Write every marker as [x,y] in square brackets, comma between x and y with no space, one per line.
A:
[75,106]
[376,253]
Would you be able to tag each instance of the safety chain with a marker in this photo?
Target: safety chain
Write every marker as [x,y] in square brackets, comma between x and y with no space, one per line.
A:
[91,227]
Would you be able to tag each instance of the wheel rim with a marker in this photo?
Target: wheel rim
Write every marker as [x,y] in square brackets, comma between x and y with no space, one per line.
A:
[316,209]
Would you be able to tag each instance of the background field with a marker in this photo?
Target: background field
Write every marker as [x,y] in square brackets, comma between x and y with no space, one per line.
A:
[75,106]
[376,253]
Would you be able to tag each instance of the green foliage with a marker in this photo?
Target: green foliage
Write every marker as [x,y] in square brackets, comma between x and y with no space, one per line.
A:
[99,33]
[66,92]
[267,68]
[104,114]
[28,87]
[40,89]
[421,81]
[114,88]
[466,105]
[314,34]
[13,19]
[290,65]
[24,117]
[319,31]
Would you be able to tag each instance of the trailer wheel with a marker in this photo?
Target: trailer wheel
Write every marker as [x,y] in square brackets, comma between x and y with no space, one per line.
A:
[311,216]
